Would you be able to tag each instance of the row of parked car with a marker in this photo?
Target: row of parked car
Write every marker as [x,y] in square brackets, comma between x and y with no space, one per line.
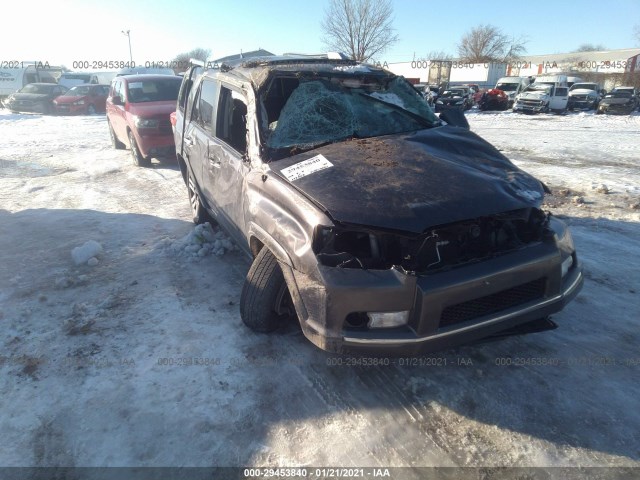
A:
[533,95]
[51,98]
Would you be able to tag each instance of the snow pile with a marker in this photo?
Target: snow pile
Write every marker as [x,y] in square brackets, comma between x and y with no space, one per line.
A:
[87,253]
[203,240]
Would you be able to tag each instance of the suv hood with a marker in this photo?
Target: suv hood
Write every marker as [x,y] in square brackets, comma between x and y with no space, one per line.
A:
[581,91]
[152,109]
[411,182]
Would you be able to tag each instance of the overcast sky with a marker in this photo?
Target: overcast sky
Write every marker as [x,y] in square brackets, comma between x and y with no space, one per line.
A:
[61,32]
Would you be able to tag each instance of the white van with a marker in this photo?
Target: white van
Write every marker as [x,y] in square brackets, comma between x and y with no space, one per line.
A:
[71,79]
[13,79]
[545,94]
[512,86]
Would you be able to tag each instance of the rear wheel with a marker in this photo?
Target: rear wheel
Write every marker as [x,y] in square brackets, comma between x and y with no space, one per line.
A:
[265,303]
[136,155]
[117,144]
[198,212]
[91,110]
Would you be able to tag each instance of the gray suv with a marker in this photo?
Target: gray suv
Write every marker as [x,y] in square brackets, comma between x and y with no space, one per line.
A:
[380,227]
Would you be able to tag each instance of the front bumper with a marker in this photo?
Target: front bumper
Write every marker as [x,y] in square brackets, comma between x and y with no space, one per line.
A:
[618,109]
[18,106]
[152,144]
[446,309]
[529,108]
[69,109]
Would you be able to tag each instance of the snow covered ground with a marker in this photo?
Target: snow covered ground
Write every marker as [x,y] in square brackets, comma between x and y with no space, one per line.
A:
[139,357]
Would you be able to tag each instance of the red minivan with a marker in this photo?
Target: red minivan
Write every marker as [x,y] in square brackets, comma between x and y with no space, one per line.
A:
[138,109]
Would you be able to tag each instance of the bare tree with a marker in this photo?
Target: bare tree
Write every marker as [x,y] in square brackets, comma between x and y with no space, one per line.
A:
[181,61]
[487,43]
[590,47]
[437,55]
[359,28]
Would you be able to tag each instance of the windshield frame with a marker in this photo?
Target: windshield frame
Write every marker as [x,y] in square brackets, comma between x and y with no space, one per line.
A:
[340,82]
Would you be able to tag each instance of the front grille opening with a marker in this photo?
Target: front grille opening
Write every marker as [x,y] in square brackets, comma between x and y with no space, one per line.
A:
[493,303]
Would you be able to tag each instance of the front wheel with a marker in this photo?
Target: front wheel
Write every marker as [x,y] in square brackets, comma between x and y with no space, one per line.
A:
[265,302]
[136,155]
[91,110]
[117,144]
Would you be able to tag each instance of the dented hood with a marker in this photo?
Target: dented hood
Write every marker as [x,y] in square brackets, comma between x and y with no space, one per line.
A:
[411,182]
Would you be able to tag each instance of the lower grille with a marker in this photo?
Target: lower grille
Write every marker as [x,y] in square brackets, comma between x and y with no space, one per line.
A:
[493,303]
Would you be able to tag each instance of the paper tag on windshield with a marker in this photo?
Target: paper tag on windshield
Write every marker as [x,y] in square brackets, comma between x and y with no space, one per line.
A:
[306,167]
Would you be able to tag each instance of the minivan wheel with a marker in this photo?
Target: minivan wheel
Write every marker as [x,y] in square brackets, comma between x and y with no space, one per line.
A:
[91,110]
[265,302]
[198,212]
[138,159]
[117,144]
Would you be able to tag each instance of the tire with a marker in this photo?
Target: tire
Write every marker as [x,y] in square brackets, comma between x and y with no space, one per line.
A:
[91,110]
[198,212]
[117,144]
[265,302]
[136,155]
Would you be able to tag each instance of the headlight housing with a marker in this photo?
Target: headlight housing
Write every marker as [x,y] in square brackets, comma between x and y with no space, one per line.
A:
[460,102]
[146,122]
[79,102]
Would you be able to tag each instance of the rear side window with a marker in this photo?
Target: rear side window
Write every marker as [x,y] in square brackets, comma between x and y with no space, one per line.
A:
[231,124]
[562,91]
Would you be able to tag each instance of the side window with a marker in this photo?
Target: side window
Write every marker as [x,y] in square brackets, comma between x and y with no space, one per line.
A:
[185,88]
[231,124]
[206,103]
[562,91]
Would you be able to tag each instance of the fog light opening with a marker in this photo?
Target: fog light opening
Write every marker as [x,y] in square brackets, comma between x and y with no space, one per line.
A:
[356,320]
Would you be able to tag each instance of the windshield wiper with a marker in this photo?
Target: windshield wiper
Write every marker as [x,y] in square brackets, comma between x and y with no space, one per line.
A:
[420,119]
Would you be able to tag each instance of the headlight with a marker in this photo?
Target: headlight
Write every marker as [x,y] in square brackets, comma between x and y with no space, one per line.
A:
[439,102]
[460,102]
[335,247]
[565,243]
[79,102]
[146,122]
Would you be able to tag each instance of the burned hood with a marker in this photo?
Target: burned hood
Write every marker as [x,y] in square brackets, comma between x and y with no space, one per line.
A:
[410,182]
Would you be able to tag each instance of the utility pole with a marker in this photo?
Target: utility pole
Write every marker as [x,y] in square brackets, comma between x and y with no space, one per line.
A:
[128,34]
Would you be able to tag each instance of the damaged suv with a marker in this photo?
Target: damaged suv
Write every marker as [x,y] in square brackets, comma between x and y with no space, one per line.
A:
[382,228]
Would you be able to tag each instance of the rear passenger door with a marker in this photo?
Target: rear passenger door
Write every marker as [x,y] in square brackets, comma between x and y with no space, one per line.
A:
[198,134]
[226,167]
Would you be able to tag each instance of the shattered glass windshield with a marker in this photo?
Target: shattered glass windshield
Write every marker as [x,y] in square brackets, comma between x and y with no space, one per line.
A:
[326,110]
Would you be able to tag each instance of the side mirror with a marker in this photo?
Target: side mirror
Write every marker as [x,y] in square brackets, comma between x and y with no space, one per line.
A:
[116,100]
[455,117]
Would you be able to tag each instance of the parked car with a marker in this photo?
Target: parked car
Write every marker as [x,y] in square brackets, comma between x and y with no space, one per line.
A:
[378,226]
[83,99]
[618,101]
[454,97]
[494,99]
[584,96]
[34,98]
[138,108]
[545,94]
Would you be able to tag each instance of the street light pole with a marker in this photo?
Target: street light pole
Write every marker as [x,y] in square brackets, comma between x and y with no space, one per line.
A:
[128,34]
